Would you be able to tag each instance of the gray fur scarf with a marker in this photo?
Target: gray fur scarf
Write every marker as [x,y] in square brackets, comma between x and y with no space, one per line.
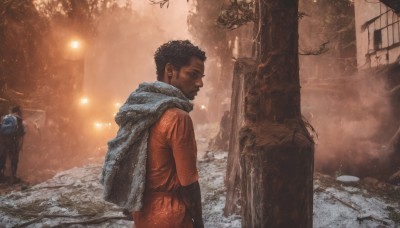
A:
[124,170]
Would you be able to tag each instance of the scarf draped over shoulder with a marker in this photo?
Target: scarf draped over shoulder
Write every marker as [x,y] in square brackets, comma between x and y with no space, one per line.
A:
[124,170]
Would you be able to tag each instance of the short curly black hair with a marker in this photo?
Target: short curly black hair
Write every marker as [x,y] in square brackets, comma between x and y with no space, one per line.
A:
[178,53]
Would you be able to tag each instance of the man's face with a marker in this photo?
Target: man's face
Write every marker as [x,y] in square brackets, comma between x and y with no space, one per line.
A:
[189,79]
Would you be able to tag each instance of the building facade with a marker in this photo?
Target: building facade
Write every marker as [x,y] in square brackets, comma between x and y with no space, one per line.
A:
[377,32]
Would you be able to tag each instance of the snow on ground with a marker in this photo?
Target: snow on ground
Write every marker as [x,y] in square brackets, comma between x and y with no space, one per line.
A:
[336,205]
[212,172]
[74,198]
[77,192]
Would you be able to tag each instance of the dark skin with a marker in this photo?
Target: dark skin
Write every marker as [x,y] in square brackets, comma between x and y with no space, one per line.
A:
[189,80]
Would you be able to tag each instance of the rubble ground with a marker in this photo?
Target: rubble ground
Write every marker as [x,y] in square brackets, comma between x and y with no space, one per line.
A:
[74,198]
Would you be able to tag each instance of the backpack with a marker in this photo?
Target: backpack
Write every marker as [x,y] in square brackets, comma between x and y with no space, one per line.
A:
[9,125]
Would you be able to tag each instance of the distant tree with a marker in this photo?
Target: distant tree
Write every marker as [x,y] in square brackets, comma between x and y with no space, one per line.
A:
[30,41]
[36,74]
[81,16]
[329,22]
[23,52]
[218,43]
[70,19]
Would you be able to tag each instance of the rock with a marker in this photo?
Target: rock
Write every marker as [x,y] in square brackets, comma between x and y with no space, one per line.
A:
[370,180]
[382,185]
[208,156]
[319,189]
[351,189]
[348,180]
[395,178]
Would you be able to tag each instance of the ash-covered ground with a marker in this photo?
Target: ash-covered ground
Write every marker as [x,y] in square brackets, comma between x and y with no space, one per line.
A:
[74,198]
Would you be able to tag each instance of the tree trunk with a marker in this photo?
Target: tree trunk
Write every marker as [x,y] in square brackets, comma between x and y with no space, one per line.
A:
[277,152]
[244,68]
[221,91]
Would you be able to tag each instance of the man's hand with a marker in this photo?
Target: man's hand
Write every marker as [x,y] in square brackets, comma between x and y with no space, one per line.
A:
[192,199]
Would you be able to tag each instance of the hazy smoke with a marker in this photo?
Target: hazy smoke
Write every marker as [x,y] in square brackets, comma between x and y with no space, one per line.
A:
[352,116]
[122,55]
[118,58]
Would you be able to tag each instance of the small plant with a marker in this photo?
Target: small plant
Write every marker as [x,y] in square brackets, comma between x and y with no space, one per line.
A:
[394,216]
[339,172]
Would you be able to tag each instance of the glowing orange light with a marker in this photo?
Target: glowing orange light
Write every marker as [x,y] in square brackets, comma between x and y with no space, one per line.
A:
[117,104]
[202,107]
[84,101]
[101,126]
[75,44]
[98,125]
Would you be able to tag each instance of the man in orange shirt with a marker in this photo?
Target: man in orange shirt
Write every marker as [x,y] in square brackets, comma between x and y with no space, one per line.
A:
[155,119]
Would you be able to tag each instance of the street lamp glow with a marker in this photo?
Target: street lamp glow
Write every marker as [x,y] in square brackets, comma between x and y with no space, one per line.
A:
[203,107]
[101,126]
[84,101]
[117,104]
[98,125]
[75,44]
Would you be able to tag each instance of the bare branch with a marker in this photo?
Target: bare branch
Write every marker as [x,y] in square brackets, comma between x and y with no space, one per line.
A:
[160,2]
[236,15]
[321,50]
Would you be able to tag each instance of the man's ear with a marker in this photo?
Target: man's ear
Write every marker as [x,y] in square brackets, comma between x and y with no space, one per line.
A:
[169,70]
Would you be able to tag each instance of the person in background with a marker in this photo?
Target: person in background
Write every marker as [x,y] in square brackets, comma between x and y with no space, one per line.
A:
[12,133]
[150,167]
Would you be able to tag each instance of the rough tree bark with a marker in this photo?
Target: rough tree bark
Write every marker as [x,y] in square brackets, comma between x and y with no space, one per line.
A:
[243,69]
[276,149]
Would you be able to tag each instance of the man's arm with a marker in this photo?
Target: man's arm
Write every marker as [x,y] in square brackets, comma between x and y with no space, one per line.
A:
[182,141]
[192,199]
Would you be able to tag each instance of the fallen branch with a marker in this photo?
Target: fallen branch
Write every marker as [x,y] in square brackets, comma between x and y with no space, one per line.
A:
[30,222]
[92,221]
[54,186]
[344,203]
[49,216]
[370,217]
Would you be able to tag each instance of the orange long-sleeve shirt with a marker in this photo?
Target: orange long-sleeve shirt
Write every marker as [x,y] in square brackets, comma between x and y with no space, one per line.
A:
[171,163]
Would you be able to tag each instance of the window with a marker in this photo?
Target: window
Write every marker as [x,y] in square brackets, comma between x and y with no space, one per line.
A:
[377,39]
[383,30]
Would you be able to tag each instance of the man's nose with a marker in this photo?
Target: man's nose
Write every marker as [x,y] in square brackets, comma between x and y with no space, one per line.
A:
[199,83]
